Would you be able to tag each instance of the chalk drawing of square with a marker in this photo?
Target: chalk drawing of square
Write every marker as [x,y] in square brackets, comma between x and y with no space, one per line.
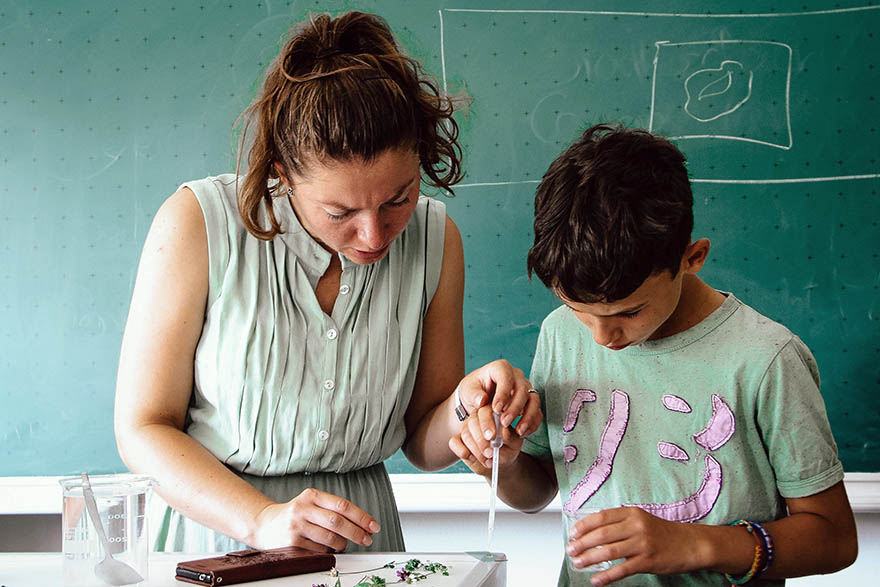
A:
[731,89]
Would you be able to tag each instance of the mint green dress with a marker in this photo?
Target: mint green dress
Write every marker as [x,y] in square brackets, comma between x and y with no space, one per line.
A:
[288,397]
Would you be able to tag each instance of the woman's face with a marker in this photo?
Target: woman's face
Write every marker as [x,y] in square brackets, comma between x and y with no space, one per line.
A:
[358,208]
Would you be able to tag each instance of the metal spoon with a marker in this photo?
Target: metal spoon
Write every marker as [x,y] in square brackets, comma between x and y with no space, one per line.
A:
[109,570]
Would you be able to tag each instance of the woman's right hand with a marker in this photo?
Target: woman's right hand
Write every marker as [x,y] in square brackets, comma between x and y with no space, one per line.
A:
[503,387]
[316,521]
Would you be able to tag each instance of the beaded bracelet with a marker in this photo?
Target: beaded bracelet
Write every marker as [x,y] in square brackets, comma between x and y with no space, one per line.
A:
[768,547]
[760,554]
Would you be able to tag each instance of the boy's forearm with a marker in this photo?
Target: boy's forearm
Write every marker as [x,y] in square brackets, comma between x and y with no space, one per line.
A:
[817,537]
[808,544]
[525,485]
[804,544]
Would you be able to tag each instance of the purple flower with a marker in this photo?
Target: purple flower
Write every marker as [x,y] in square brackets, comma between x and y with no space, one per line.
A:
[402,574]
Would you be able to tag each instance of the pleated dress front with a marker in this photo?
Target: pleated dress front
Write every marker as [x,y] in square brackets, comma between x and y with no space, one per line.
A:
[287,396]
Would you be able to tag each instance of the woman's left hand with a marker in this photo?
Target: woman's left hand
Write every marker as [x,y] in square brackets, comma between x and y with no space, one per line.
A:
[508,391]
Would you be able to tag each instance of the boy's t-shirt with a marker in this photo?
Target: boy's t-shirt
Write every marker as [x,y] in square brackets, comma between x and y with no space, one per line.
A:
[712,425]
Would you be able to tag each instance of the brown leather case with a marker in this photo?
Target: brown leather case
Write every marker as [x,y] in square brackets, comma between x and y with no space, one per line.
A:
[253,565]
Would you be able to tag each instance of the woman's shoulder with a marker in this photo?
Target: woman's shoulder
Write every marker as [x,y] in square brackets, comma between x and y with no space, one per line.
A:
[428,222]
[181,209]
[177,233]
[214,188]
[431,206]
[430,215]
[217,196]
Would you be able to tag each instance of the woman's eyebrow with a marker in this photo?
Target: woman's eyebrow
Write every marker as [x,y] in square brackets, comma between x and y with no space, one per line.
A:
[396,195]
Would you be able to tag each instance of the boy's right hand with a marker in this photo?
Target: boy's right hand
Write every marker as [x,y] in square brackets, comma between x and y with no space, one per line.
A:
[472,446]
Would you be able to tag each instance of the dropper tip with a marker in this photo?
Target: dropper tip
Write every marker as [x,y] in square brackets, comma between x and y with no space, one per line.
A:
[497,442]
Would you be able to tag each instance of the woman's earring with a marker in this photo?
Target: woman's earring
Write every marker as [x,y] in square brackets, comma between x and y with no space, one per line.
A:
[289,191]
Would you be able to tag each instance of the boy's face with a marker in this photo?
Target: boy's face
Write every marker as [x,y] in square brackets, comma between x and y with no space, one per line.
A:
[636,318]
[655,310]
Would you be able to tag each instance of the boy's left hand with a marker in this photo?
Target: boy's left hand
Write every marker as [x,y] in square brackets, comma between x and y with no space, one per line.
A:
[647,543]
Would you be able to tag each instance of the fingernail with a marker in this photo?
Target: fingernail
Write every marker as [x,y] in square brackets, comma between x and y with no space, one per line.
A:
[595,581]
[569,549]
[374,527]
[488,435]
[487,453]
[367,541]
[506,420]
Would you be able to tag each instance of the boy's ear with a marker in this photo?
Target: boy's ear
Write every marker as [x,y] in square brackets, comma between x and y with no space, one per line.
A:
[695,255]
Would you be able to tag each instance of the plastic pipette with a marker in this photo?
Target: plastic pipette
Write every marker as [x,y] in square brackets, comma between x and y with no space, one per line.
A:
[496,444]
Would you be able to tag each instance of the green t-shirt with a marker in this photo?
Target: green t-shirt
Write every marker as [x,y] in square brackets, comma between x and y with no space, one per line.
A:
[711,425]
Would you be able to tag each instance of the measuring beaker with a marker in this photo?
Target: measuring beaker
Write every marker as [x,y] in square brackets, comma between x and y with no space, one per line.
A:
[122,506]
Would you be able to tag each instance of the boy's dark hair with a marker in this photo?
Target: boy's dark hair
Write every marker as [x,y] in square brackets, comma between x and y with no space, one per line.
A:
[612,210]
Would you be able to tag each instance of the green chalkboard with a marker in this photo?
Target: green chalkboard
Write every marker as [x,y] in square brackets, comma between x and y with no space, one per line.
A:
[105,107]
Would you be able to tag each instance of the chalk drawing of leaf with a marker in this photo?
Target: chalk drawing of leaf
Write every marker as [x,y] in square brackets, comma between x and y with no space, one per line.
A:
[716,92]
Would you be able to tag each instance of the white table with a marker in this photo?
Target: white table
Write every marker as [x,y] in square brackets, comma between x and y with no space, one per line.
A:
[477,569]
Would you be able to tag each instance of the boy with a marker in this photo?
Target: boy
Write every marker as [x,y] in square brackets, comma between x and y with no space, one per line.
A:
[685,405]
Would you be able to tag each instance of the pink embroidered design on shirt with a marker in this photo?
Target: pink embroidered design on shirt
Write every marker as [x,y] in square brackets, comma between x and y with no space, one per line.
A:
[720,427]
[715,435]
[676,404]
[694,507]
[717,432]
[580,397]
[672,451]
[600,470]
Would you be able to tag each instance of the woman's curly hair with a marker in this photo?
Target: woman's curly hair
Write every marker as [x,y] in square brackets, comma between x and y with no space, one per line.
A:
[339,90]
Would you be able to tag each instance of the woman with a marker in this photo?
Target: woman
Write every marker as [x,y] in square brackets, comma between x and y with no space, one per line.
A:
[291,329]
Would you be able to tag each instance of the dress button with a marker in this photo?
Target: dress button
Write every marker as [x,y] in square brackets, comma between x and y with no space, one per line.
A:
[332,334]
[345,289]
[323,435]
[329,384]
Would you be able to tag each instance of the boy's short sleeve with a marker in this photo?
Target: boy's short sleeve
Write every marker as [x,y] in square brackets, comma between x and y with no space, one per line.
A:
[794,424]
[538,442]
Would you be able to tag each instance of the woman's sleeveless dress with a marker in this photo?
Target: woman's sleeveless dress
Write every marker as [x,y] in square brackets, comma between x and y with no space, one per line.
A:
[287,396]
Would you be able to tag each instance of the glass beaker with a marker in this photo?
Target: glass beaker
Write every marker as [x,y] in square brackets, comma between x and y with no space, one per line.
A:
[122,506]
[571,518]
